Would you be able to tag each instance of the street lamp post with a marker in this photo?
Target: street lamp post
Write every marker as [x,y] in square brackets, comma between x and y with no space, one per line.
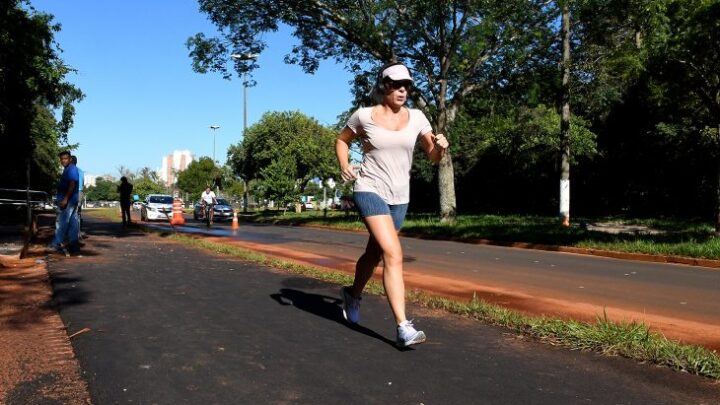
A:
[244,56]
[214,127]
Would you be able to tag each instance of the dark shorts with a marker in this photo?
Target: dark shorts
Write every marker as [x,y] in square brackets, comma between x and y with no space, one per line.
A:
[371,204]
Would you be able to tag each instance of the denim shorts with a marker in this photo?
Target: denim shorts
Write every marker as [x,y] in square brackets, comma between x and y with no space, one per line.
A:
[370,204]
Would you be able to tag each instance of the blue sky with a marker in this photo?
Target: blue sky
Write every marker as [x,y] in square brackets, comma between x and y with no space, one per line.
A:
[142,98]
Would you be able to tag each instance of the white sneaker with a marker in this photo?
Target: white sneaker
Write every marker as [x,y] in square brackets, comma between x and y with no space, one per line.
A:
[407,335]
[351,306]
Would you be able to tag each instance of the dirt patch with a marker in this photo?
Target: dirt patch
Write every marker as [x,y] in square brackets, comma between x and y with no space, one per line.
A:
[37,362]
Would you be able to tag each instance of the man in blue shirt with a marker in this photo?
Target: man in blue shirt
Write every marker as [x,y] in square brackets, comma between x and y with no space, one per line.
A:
[67,198]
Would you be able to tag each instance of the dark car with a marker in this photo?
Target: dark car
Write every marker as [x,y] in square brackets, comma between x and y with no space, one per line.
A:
[223,210]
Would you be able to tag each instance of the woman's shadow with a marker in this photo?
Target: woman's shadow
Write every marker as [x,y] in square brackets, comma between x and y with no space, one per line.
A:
[326,307]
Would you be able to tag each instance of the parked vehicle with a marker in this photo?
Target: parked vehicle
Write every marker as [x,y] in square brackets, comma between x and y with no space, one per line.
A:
[223,211]
[156,206]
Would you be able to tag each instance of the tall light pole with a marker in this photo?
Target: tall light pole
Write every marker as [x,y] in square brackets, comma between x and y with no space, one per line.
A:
[244,56]
[214,127]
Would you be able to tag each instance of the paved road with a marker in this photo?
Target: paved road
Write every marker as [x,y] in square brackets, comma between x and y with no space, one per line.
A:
[676,298]
[175,325]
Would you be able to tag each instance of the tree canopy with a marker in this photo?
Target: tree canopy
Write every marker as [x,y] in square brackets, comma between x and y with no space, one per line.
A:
[308,145]
[146,181]
[199,174]
[103,190]
[279,182]
[33,86]
[453,47]
[644,128]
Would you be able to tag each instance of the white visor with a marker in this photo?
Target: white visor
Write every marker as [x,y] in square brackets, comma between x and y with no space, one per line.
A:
[397,73]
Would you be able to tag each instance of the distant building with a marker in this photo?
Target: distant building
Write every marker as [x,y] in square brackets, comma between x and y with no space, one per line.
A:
[174,163]
[89,180]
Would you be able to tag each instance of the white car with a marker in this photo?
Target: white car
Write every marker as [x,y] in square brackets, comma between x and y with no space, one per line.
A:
[156,206]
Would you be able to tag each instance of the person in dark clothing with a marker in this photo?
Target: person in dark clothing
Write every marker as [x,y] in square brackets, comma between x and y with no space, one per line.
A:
[125,189]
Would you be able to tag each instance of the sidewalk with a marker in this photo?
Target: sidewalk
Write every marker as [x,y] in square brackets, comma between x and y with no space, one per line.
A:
[173,324]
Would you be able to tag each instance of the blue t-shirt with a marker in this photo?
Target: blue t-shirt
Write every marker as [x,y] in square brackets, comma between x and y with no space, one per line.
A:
[81,179]
[70,173]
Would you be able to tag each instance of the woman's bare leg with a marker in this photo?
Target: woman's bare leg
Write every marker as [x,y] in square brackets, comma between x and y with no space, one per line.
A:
[365,266]
[382,229]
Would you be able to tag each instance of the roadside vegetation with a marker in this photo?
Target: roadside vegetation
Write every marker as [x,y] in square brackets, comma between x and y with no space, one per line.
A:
[631,340]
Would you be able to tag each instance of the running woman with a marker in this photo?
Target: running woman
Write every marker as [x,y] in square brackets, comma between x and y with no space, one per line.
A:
[388,132]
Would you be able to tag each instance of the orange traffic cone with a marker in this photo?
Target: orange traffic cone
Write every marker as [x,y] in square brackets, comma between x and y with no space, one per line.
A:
[177,218]
[235,223]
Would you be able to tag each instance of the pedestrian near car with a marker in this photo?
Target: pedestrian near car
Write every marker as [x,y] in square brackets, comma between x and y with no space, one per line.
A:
[388,133]
[66,198]
[125,190]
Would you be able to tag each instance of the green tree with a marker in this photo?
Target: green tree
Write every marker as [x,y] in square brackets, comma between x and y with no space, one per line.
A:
[146,181]
[611,44]
[688,62]
[279,182]
[103,190]
[234,189]
[46,138]
[198,175]
[32,87]
[454,47]
[280,135]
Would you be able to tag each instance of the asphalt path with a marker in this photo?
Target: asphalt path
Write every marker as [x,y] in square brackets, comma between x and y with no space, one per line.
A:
[171,324]
[521,278]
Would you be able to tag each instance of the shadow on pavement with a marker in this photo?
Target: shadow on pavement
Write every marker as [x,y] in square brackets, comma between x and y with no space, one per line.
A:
[66,291]
[112,229]
[325,307]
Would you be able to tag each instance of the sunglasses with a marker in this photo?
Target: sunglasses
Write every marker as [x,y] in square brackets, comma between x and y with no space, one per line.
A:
[397,84]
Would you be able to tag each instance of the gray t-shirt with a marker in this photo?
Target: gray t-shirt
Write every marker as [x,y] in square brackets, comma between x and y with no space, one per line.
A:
[387,155]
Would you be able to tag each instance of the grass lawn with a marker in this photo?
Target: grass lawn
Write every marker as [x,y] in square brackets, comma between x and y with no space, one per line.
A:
[671,237]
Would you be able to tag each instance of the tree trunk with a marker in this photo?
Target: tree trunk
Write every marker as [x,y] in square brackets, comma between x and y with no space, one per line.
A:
[246,196]
[446,174]
[446,184]
[565,119]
